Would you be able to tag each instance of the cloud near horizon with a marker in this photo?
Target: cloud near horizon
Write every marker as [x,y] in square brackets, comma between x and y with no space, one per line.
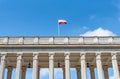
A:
[99,32]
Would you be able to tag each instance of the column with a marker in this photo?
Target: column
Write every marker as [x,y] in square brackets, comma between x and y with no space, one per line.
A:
[51,65]
[78,72]
[38,72]
[99,66]
[105,68]
[2,65]
[83,66]
[23,72]
[9,72]
[63,68]
[115,66]
[19,66]
[35,66]
[67,65]
[92,72]
[119,69]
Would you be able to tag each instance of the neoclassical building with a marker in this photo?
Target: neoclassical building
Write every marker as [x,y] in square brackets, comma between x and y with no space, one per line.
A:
[60,52]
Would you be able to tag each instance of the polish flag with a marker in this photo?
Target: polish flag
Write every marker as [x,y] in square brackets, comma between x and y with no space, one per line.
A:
[62,22]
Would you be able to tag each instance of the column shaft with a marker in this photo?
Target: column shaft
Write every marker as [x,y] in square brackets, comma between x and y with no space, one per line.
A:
[119,69]
[115,67]
[99,66]
[2,66]
[18,68]
[105,68]
[83,67]
[38,72]
[92,72]
[23,72]
[78,72]
[67,66]
[51,65]
[9,72]
[63,68]
[35,66]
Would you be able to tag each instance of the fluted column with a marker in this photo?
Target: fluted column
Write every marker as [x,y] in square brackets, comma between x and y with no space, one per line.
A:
[23,72]
[2,65]
[35,66]
[78,72]
[38,72]
[67,65]
[99,66]
[51,65]
[9,72]
[92,72]
[115,66]
[105,68]
[83,66]
[18,67]
[63,68]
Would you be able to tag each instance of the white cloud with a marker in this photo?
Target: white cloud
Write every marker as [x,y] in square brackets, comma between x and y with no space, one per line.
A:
[44,72]
[57,72]
[99,32]
[111,77]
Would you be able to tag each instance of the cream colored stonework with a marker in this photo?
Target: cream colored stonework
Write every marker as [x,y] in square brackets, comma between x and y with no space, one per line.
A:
[70,52]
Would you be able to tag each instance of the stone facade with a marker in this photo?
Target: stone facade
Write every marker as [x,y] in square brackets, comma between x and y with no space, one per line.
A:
[60,52]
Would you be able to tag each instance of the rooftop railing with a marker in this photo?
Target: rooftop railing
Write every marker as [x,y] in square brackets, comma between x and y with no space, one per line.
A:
[58,40]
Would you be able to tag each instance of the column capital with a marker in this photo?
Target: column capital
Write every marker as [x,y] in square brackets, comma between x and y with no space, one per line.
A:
[92,66]
[105,67]
[67,54]
[3,56]
[19,56]
[19,53]
[10,68]
[78,67]
[82,55]
[98,56]
[39,66]
[114,56]
[113,53]
[3,53]
[51,53]
[98,53]
[35,55]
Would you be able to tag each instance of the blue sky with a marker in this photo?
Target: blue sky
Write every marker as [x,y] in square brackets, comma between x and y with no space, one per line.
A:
[39,18]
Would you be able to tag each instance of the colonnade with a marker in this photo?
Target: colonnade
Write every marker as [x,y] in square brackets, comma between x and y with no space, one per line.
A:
[80,70]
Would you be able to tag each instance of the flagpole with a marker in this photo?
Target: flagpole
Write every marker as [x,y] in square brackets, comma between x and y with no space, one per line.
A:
[58,29]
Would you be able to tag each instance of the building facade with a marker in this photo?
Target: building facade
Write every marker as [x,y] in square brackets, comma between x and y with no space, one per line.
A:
[60,52]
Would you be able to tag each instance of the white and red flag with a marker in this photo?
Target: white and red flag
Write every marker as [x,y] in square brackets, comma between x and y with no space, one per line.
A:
[62,22]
